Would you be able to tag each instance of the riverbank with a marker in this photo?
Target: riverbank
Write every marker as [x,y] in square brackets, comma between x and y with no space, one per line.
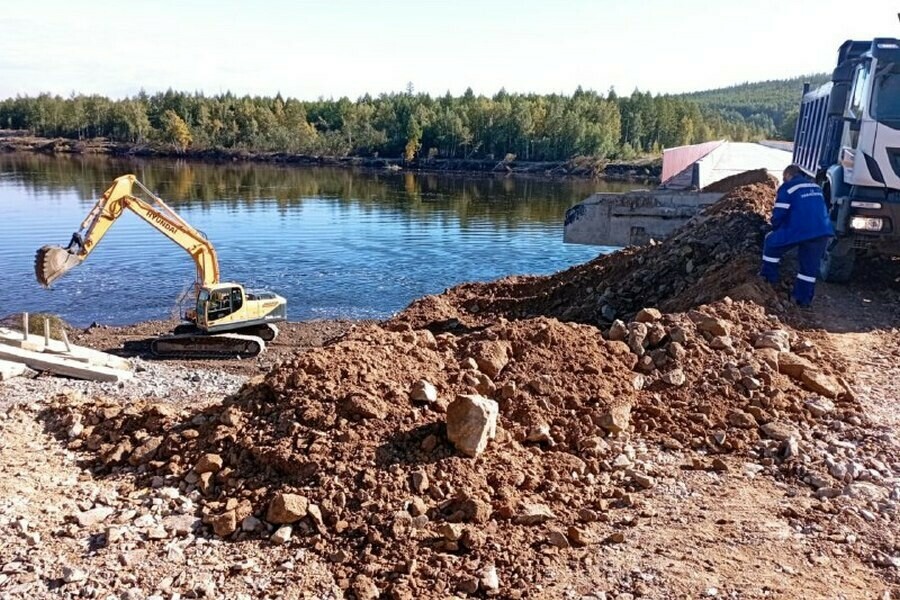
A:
[642,170]
[660,408]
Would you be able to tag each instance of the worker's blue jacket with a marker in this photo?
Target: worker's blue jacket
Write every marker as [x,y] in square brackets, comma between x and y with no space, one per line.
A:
[799,214]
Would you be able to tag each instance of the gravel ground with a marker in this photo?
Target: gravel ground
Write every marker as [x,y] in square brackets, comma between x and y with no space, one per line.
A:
[152,380]
[177,381]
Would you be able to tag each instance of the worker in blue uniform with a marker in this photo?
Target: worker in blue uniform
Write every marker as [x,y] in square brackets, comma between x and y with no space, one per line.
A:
[799,220]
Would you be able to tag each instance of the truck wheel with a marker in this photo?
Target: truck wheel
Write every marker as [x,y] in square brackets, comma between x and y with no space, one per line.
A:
[838,262]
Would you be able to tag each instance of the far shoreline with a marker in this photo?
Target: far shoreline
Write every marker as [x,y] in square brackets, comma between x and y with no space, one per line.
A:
[642,170]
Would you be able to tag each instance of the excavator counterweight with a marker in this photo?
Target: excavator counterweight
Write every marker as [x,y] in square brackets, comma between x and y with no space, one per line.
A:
[226,320]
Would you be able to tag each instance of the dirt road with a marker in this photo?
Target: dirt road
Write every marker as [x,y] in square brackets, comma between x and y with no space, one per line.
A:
[862,321]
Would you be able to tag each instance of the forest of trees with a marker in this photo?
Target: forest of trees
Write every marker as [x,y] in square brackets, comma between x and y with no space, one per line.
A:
[526,127]
[771,106]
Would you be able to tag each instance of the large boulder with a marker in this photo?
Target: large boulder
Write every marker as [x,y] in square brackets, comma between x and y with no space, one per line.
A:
[820,383]
[491,356]
[792,365]
[471,422]
[287,508]
[617,419]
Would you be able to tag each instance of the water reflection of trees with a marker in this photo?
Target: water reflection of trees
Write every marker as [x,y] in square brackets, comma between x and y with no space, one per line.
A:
[503,201]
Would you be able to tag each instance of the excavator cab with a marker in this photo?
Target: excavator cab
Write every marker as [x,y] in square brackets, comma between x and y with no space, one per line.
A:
[214,304]
[199,316]
[228,307]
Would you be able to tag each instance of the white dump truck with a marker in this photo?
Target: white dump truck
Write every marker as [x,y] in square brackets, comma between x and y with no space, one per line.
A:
[848,139]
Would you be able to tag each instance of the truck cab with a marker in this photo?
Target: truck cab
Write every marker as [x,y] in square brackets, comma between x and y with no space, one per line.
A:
[848,138]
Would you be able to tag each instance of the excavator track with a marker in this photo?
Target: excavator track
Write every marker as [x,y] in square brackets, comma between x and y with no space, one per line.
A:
[223,345]
[266,331]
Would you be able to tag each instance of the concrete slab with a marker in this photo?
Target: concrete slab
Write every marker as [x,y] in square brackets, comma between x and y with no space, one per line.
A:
[633,218]
[58,365]
[10,369]
[733,158]
[36,343]
[701,165]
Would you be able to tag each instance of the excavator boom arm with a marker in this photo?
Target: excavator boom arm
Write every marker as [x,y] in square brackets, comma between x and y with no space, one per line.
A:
[53,261]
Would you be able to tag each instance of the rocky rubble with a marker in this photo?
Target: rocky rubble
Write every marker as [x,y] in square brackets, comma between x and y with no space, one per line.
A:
[480,459]
[151,380]
[715,255]
[335,453]
[333,445]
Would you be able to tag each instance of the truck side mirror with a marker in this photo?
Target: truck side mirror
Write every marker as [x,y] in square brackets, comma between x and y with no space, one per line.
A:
[843,73]
[838,100]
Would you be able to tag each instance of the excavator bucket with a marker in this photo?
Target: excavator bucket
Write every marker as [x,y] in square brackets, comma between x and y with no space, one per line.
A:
[52,262]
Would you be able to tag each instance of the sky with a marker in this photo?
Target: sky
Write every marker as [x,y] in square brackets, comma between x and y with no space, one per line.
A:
[311,49]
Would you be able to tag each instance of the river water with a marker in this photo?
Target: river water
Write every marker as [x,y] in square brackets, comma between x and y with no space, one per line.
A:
[336,243]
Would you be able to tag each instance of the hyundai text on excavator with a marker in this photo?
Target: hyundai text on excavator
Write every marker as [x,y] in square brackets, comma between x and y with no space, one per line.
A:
[226,320]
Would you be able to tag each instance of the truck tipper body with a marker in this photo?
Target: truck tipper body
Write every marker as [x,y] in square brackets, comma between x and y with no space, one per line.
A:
[848,139]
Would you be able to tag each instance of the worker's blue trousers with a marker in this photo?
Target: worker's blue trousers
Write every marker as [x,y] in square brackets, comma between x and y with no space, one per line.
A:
[809,254]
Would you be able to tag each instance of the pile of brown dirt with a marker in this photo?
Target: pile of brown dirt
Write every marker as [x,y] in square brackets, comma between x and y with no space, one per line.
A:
[348,444]
[714,256]
[337,425]
[742,369]
[386,497]
[757,197]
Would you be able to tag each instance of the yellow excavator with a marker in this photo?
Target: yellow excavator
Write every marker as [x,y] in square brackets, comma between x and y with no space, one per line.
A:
[226,320]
